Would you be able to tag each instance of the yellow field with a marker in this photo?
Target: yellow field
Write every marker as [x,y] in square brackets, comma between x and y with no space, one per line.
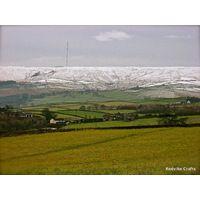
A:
[147,151]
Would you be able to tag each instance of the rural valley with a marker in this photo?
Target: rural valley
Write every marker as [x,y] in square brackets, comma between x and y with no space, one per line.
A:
[140,129]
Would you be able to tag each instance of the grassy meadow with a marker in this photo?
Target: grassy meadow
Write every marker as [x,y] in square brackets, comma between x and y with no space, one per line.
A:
[129,151]
[93,151]
[138,122]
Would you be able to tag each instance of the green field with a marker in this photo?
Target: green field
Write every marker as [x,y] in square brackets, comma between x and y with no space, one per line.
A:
[138,122]
[80,113]
[193,119]
[117,111]
[147,151]
[118,96]
[64,112]
[67,117]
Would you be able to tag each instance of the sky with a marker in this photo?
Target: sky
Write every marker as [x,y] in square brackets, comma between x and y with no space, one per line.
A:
[100,45]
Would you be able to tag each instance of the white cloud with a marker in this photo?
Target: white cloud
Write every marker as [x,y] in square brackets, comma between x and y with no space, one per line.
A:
[178,36]
[112,35]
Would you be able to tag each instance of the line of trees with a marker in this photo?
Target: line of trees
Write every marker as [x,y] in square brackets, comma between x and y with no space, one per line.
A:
[171,119]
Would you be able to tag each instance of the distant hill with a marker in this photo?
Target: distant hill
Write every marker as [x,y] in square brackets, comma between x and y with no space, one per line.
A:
[156,82]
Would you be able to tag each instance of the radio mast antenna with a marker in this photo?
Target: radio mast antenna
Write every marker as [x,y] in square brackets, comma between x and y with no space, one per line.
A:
[67,55]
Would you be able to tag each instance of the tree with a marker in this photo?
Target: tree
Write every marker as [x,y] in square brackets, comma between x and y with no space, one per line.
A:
[82,107]
[172,119]
[48,114]
[8,107]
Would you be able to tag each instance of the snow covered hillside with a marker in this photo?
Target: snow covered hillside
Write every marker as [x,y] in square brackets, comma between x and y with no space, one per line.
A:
[102,78]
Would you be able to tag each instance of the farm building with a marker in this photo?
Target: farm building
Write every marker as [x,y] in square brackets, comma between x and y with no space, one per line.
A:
[26,115]
[57,122]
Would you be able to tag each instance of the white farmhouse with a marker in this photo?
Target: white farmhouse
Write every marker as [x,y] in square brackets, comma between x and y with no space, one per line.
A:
[52,121]
[58,122]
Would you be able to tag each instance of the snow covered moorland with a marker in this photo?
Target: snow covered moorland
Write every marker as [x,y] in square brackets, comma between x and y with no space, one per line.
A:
[104,78]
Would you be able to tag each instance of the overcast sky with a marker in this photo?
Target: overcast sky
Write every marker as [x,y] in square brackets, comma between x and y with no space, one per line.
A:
[100,45]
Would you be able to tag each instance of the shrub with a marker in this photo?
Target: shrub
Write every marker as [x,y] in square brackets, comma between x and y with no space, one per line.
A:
[172,119]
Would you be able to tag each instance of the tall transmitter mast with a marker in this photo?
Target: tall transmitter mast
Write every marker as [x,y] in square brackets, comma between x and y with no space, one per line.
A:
[67,55]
